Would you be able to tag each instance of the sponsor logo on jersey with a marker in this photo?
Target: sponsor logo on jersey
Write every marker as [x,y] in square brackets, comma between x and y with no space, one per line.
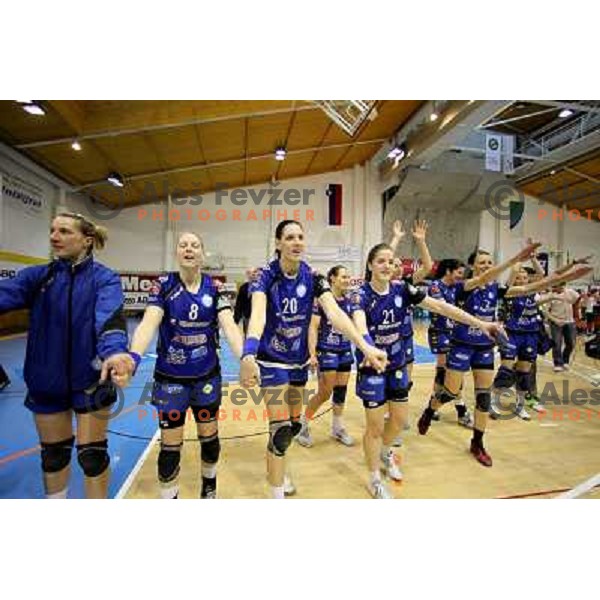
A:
[462,356]
[398,301]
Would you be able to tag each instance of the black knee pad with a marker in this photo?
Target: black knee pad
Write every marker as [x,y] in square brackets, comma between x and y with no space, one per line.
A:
[56,455]
[505,378]
[296,427]
[445,396]
[523,381]
[339,394]
[280,437]
[93,458]
[168,462]
[400,395]
[210,450]
[483,400]
[440,374]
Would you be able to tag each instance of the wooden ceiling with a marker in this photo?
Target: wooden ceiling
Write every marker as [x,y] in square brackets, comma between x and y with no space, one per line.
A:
[184,147]
[575,183]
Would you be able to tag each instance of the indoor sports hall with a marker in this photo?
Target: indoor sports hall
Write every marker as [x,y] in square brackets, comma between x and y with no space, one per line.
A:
[461,178]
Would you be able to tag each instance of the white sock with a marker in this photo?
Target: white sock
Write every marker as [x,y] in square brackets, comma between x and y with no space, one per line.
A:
[209,470]
[337,423]
[169,491]
[385,450]
[375,476]
[277,492]
[62,495]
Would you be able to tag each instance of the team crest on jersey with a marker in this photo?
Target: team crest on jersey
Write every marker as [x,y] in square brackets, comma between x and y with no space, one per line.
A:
[398,301]
[207,389]
[207,301]
[301,291]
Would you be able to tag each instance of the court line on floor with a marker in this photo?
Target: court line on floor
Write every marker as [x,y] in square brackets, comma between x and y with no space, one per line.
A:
[137,468]
[580,489]
[576,373]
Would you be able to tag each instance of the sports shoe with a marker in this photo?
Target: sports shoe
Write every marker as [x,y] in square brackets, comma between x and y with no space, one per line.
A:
[390,466]
[304,438]
[379,491]
[558,369]
[466,420]
[4,384]
[538,407]
[436,416]
[531,400]
[289,489]
[397,443]
[480,455]
[342,436]
[424,422]
[566,367]
[209,489]
[523,414]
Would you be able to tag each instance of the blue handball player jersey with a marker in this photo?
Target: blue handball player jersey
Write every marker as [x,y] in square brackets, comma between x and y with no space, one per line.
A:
[439,290]
[481,302]
[385,314]
[331,340]
[289,311]
[522,314]
[187,338]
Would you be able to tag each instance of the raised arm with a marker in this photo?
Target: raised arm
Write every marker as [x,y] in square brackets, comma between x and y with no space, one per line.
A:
[419,234]
[546,282]
[493,273]
[398,235]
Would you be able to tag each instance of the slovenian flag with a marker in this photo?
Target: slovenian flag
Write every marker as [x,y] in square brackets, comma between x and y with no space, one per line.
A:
[334,193]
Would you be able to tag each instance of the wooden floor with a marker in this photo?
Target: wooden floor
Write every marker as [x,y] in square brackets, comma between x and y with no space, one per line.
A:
[535,459]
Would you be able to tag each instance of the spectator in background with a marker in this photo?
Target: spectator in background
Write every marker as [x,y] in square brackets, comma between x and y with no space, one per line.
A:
[243,305]
[588,304]
[562,324]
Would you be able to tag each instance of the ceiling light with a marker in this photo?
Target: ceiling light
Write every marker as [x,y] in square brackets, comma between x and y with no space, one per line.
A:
[398,152]
[433,116]
[115,179]
[553,172]
[564,113]
[32,107]
[76,146]
[280,153]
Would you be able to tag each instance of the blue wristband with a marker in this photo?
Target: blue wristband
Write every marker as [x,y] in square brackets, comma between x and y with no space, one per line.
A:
[137,359]
[368,339]
[250,347]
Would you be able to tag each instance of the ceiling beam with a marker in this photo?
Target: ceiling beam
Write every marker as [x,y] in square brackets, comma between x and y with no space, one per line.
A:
[71,112]
[198,167]
[557,104]
[163,126]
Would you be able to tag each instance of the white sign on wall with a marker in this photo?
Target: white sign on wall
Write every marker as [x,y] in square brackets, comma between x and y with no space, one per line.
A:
[493,152]
[27,196]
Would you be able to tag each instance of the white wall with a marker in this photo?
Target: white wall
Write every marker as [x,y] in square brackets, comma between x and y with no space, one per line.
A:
[542,223]
[139,242]
[24,230]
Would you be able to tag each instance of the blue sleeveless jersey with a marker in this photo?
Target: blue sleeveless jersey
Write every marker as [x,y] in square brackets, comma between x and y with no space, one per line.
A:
[521,314]
[329,339]
[385,314]
[439,290]
[289,311]
[187,337]
[480,302]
